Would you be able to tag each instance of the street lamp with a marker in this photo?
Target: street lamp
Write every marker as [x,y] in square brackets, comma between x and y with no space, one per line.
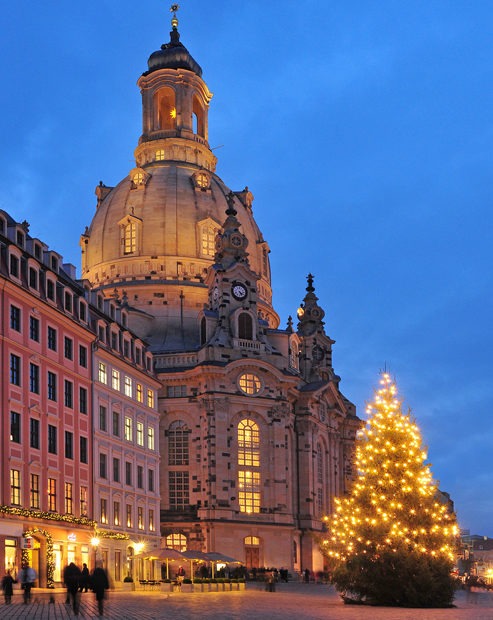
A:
[95,544]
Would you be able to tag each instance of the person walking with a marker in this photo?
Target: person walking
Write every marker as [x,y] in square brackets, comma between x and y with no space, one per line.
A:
[27,577]
[8,587]
[84,578]
[99,584]
[71,578]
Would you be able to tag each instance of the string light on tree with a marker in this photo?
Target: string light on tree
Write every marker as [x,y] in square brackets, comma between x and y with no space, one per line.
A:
[394,505]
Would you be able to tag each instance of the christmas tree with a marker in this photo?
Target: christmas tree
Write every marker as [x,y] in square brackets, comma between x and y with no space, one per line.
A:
[391,540]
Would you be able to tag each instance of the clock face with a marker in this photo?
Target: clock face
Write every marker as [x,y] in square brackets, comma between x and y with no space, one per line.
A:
[236,240]
[239,291]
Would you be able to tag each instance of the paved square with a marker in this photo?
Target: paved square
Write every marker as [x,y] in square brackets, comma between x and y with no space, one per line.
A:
[292,601]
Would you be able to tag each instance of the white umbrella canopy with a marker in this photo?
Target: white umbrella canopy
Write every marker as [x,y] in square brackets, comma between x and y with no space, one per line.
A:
[194,556]
[169,555]
[219,558]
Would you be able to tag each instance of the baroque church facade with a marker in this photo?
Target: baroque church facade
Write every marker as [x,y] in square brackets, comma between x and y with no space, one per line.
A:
[255,435]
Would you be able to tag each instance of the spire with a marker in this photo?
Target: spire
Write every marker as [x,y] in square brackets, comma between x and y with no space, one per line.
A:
[173,55]
[174,34]
[310,314]
[231,244]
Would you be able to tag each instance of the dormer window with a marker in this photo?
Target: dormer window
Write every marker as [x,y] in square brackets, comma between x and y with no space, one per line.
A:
[3,226]
[68,301]
[130,238]
[202,180]
[37,251]
[138,178]
[54,263]
[14,266]
[20,238]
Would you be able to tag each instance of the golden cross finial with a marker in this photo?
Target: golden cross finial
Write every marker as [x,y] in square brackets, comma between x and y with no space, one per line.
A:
[174,19]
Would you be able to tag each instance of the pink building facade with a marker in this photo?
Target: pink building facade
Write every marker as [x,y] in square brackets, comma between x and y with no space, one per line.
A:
[49,493]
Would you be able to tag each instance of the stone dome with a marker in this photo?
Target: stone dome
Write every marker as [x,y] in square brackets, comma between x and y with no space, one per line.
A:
[152,238]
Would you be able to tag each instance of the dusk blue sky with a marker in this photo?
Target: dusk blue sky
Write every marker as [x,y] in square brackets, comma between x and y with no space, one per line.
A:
[364,130]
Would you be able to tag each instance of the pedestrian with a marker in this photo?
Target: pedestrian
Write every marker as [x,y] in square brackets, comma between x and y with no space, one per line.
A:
[71,579]
[307,575]
[8,587]
[270,579]
[84,578]
[99,584]
[27,577]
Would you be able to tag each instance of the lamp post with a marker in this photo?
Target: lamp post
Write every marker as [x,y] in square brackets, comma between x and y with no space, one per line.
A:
[95,546]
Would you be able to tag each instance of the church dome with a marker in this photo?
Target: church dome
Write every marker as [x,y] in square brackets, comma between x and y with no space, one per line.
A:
[153,236]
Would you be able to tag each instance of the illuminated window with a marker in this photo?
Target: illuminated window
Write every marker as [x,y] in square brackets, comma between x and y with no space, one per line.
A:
[139,393]
[138,178]
[178,435]
[249,383]
[152,524]
[69,500]
[52,494]
[248,457]
[128,428]
[129,515]
[150,438]
[320,495]
[166,110]
[104,510]
[140,517]
[140,433]
[160,155]
[202,180]
[176,541]
[249,491]
[115,380]
[248,444]
[15,487]
[102,374]
[178,490]
[208,241]
[150,398]
[83,500]
[130,238]
[128,387]
[116,513]
[252,541]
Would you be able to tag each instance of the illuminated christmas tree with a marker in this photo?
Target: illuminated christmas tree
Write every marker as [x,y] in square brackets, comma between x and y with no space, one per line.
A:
[391,541]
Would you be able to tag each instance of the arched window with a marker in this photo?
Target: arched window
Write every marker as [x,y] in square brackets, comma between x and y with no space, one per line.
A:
[176,541]
[178,450]
[245,326]
[166,110]
[248,466]
[265,262]
[320,495]
[198,118]
[130,238]
[203,331]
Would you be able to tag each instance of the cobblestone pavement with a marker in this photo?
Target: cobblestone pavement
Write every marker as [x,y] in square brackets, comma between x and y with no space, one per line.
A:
[292,601]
